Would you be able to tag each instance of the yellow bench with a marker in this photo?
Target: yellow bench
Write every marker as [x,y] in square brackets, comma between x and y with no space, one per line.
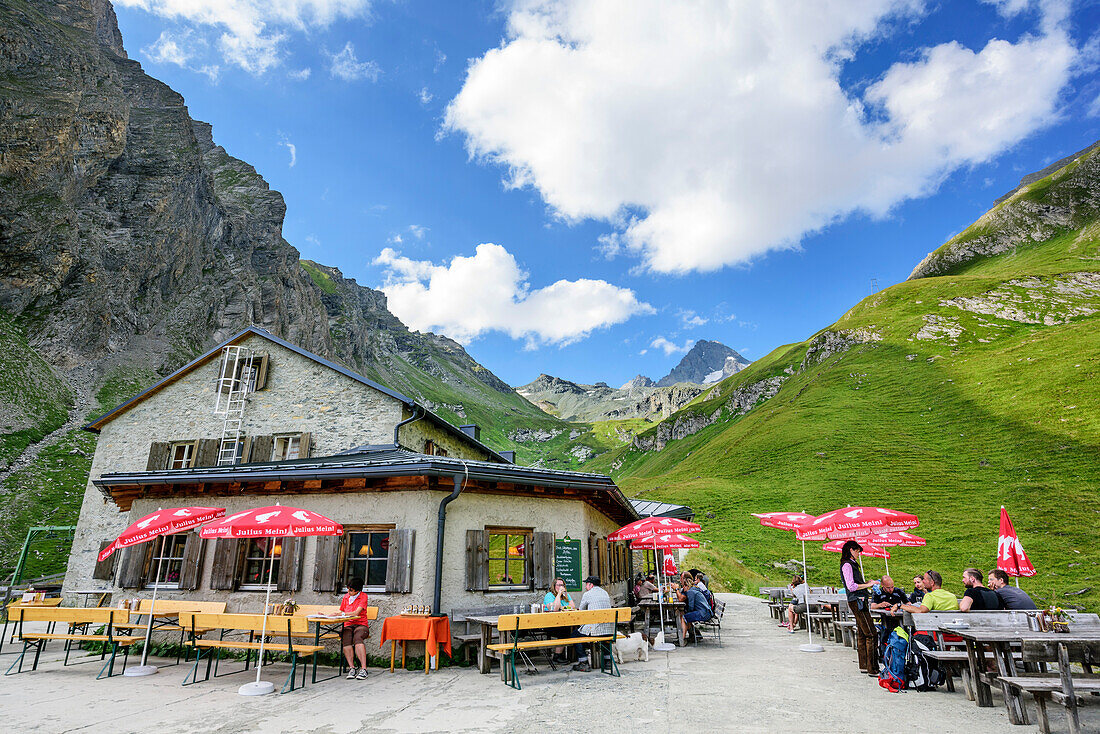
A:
[517,623]
[74,618]
[145,606]
[256,625]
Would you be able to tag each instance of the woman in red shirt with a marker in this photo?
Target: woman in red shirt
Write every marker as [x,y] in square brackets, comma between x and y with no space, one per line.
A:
[354,634]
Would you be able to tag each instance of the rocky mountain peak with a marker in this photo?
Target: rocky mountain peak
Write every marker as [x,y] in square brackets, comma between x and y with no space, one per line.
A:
[639,382]
[702,363]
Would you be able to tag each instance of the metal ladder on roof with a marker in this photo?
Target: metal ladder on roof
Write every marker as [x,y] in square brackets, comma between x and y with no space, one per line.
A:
[236,379]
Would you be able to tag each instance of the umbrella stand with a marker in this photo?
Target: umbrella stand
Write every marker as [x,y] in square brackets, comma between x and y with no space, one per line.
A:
[661,646]
[262,687]
[136,671]
[810,646]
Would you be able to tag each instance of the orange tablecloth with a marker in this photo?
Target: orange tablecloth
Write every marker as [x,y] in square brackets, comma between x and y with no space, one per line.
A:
[430,630]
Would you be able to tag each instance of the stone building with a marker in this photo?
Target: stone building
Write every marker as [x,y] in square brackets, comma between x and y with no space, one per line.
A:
[313,434]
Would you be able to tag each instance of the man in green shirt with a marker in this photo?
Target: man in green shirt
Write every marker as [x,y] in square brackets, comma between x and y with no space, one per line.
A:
[935,598]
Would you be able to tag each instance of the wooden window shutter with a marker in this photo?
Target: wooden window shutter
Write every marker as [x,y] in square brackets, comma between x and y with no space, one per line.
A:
[193,550]
[477,560]
[132,566]
[104,570]
[158,456]
[593,555]
[224,571]
[246,449]
[543,559]
[602,573]
[304,445]
[399,563]
[261,373]
[262,447]
[326,563]
[207,454]
[290,565]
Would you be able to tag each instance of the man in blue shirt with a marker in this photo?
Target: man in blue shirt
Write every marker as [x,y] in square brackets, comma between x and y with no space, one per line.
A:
[696,606]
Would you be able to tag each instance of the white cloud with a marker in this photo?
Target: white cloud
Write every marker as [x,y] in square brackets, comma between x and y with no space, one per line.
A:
[471,296]
[346,66]
[292,148]
[425,96]
[211,71]
[669,347]
[167,49]
[1094,108]
[690,320]
[418,231]
[300,75]
[710,133]
[252,32]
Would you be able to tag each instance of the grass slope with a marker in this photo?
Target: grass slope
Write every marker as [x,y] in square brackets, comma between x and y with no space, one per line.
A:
[989,410]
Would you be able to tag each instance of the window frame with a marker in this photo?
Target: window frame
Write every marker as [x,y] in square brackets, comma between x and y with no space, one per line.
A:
[170,542]
[287,437]
[346,556]
[191,454]
[528,537]
[242,565]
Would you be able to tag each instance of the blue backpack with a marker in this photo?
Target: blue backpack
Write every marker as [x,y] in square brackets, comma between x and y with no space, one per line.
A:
[892,673]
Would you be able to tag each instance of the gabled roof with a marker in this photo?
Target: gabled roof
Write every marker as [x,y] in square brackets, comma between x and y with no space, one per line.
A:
[97,425]
[650,508]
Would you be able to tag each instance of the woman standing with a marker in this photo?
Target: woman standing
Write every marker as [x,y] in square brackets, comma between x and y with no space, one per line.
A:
[858,601]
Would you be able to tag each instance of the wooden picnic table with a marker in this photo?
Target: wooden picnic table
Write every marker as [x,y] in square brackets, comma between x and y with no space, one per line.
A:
[1000,641]
[651,607]
[488,623]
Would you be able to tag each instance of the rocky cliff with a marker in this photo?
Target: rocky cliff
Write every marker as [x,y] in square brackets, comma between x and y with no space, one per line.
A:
[637,399]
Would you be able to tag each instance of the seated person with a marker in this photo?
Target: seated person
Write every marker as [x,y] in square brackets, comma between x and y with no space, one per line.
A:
[977,597]
[799,589]
[594,597]
[696,606]
[353,636]
[557,599]
[884,596]
[648,589]
[1011,596]
[701,582]
[918,590]
[935,599]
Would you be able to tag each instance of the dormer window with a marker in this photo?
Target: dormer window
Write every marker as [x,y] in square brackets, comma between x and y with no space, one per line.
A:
[432,449]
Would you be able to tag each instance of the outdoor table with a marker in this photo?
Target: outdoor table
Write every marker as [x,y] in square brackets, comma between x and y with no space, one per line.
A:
[88,593]
[651,607]
[327,623]
[484,654]
[15,604]
[430,630]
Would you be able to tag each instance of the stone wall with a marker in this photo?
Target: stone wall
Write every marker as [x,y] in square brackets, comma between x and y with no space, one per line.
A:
[413,435]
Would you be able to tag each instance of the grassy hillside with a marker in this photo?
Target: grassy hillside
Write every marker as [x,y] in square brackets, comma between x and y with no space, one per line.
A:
[948,396]
[33,400]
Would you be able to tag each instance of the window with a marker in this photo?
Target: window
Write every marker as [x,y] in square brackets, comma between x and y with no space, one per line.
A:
[225,458]
[509,550]
[368,556]
[433,449]
[181,455]
[257,555]
[287,447]
[249,375]
[169,562]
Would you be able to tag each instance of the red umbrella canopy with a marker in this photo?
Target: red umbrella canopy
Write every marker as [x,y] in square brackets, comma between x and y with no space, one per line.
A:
[162,522]
[650,526]
[901,537]
[783,520]
[275,521]
[869,550]
[669,540]
[1011,557]
[848,522]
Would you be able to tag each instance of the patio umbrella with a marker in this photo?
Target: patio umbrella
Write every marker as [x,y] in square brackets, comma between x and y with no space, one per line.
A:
[666,541]
[275,521]
[853,522]
[1011,557]
[650,526]
[873,551]
[794,521]
[163,523]
[899,538]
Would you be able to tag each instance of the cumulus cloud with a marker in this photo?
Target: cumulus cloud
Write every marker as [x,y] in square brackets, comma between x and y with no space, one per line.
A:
[418,231]
[251,33]
[709,133]
[670,347]
[488,291]
[690,320]
[167,49]
[347,66]
[300,75]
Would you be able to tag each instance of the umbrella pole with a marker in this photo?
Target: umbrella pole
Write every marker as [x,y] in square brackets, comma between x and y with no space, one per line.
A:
[259,688]
[809,646]
[1017,579]
[661,646]
[887,566]
[145,668]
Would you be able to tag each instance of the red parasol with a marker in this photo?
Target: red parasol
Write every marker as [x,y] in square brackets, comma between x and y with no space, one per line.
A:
[665,541]
[649,526]
[1011,557]
[900,538]
[783,520]
[670,565]
[162,522]
[848,522]
[275,521]
[873,551]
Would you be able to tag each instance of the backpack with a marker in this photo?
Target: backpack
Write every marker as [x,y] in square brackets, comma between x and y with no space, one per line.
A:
[892,675]
[923,673]
[710,600]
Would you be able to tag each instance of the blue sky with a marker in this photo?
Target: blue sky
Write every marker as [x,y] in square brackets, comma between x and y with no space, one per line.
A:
[584,189]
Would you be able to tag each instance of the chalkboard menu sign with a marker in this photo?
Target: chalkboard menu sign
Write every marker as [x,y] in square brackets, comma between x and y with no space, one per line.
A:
[567,562]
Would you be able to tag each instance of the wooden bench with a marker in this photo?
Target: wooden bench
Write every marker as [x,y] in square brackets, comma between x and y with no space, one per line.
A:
[1063,688]
[145,608]
[74,619]
[255,625]
[517,623]
[467,638]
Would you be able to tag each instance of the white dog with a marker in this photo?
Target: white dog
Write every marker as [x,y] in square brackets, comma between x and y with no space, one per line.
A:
[633,647]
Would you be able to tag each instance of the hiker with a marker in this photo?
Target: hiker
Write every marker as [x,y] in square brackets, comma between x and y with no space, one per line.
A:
[696,607]
[935,599]
[856,589]
[978,597]
[799,589]
[594,597]
[885,596]
[918,590]
[1011,596]
[353,636]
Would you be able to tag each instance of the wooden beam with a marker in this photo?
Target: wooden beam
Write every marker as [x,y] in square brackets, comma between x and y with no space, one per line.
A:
[271,486]
[312,484]
[355,483]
